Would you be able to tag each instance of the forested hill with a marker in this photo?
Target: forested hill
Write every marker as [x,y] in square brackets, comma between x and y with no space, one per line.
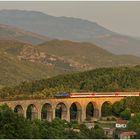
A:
[103,79]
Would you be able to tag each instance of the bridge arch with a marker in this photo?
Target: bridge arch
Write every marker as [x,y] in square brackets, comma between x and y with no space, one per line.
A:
[31,112]
[76,111]
[106,109]
[47,112]
[19,110]
[92,110]
[61,111]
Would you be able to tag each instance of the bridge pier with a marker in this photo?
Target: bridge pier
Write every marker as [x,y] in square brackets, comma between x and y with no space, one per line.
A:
[50,116]
[97,113]
[68,115]
[53,113]
[100,113]
[83,115]
[64,114]
[24,114]
[39,115]
[78,116]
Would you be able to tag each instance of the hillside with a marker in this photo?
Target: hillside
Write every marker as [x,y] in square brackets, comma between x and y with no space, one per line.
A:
[86,55]
[21,61]
[13,71]
[13,33]
[74,29]
[103,79]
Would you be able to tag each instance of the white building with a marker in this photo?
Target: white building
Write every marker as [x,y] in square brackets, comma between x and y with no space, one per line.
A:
[121,123]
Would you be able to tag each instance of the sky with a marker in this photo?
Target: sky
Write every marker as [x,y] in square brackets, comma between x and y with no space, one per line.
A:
[121,17]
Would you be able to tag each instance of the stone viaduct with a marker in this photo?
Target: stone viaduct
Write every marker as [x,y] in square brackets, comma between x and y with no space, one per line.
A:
[50,105]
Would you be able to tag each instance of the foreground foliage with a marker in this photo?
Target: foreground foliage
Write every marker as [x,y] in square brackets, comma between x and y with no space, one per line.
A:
[134,124]
[13,126]
[122,108]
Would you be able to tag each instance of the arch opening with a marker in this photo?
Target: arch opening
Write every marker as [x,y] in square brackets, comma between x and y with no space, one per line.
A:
[31,112]
[46,112]
[106,109]
[19,110]
[92,111]
[76,112]
[61,111]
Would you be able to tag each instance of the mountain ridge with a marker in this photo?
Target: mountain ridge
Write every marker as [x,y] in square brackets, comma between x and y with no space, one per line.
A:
[8,32]
[74,29]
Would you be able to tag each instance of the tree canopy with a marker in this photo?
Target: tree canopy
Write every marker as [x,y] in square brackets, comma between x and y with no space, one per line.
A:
[102,79]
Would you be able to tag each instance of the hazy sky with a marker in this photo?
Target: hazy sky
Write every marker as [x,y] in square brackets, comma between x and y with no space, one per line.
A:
[122,17]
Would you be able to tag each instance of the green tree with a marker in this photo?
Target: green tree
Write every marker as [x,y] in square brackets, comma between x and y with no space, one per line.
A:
[13,125]
[134,124]
[126,114]
[84,131]
[97,133]
[106,109]
[118,107]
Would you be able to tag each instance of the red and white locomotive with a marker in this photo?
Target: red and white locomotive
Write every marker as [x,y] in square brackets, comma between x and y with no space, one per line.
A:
[95,94]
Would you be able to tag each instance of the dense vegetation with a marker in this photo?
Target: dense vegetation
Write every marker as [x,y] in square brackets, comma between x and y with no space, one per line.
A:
[122,108]
[134,124]
[103,79]
[17,127]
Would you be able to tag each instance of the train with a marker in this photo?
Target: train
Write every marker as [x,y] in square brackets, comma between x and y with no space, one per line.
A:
[95,94]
